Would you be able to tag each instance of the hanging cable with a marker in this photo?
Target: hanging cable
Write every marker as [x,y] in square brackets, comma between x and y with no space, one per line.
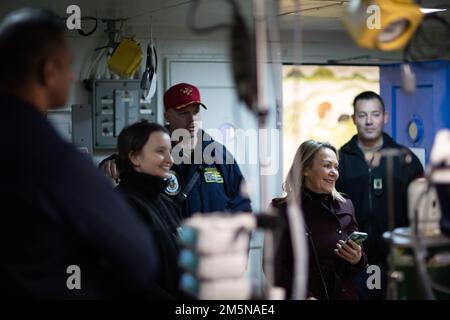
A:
[179,4]
[242,52]
[299,10]
[91,18]
[191,22]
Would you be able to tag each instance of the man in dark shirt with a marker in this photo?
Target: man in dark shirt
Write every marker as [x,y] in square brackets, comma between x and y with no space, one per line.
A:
[65,233]
[366,183]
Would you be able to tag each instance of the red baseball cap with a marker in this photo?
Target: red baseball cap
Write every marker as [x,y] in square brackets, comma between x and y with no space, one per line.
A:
[181,96]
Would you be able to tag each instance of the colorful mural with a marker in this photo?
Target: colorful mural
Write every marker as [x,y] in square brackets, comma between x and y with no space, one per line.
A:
[317,104]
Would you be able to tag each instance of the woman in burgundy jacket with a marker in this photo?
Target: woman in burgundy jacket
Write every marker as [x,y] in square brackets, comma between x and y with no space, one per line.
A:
[329,219]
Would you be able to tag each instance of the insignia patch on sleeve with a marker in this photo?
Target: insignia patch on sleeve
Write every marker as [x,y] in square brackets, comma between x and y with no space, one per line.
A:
[173,188]
[212,175]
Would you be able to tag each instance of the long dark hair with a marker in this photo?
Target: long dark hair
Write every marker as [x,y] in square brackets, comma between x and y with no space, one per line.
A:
[131,140]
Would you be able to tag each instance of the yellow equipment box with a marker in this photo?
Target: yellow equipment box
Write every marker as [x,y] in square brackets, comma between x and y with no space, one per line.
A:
[126,59]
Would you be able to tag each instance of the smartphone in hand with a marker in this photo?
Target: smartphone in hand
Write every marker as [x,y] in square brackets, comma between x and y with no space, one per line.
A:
[358,237]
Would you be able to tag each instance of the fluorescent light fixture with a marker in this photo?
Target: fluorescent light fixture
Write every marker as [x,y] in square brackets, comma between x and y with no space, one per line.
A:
[431,10]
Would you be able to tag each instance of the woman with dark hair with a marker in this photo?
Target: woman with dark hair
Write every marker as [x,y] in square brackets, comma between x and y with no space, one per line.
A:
[144,161]
[329,219]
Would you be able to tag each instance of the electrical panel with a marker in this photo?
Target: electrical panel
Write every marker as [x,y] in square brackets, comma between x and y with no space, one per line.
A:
[117,104]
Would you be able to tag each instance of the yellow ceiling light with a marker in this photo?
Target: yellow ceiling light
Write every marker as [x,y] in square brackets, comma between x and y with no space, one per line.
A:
[382,24]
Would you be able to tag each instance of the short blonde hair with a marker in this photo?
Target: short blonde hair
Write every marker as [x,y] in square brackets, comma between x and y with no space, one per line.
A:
[303,160]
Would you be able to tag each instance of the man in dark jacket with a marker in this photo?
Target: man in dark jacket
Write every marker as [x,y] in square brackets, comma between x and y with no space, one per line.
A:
[65,233]
[206,177]
[209,175]
[365,181]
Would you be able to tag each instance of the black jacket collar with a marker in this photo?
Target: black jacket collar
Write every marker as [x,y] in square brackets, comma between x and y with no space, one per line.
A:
[352,145]
[147,184]
[308,195]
